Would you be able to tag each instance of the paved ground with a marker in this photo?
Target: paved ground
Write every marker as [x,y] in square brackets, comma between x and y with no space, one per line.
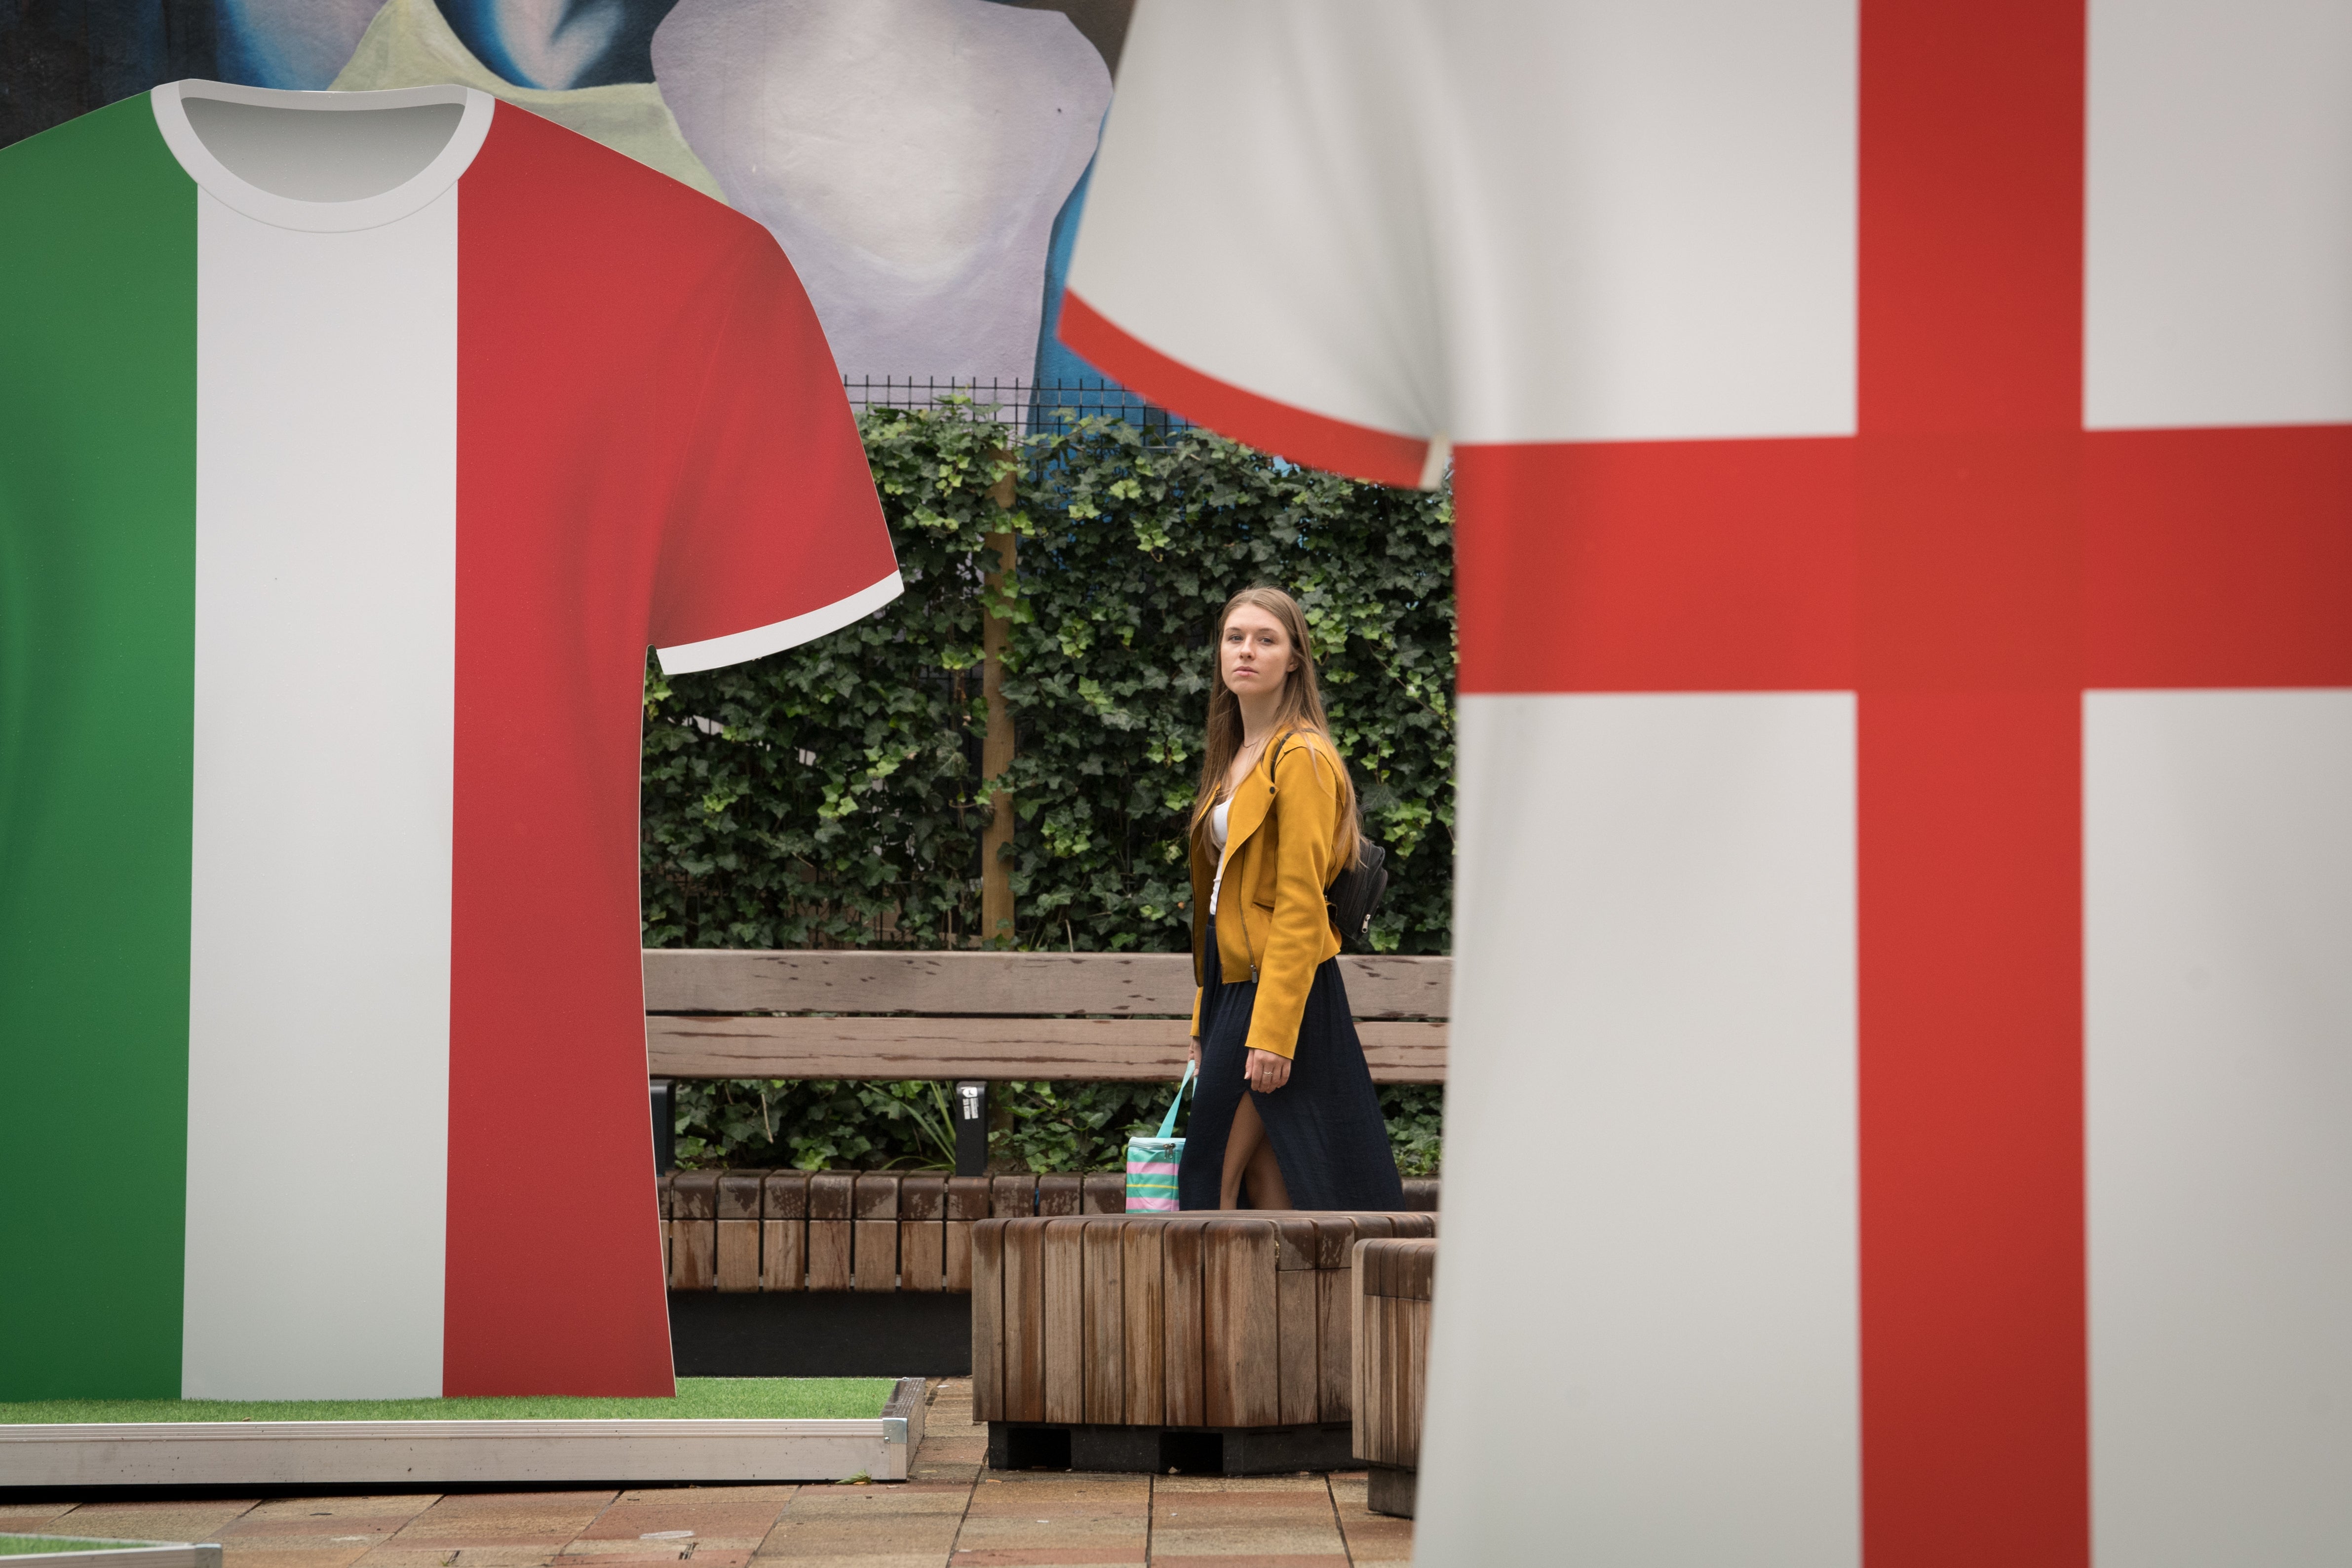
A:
[953,1514]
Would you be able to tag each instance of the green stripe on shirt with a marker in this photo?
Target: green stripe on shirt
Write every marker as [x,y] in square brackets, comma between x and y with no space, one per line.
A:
[98,344]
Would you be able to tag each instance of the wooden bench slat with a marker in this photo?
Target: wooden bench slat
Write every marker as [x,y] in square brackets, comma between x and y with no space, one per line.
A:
[922,1232]
[1062,1257]
[874,1048]
[874,1200]
[1334,1350]
[738,1230]
[986,1260]
[1024,1320]
[830,1247]
[1060,1193]
[1181,1370]
[1391,1358]
[1106,1192]
[1296,1318]
[1142,1347]
[1245,1380]
[693,1228]
[967,1205]
[959,985]
[1012,1196]
[1103,1299]
[784,1230]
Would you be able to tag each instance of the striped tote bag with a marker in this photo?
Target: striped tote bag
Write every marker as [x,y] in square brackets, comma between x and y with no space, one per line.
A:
[1151,1162]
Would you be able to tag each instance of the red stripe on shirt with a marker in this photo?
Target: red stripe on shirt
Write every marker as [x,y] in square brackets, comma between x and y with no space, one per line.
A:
[1295,434]
[1975,1419]
[554,1254]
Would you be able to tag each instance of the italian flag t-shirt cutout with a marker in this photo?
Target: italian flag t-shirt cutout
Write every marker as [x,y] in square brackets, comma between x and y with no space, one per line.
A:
[346,473]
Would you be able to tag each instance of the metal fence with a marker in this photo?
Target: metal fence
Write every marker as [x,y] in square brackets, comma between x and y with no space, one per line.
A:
[1031,406]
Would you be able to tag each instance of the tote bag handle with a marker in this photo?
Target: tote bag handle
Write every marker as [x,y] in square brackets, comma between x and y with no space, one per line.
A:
[1168,1122]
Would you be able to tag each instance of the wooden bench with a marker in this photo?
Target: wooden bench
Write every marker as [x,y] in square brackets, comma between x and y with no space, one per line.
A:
[1393,1285]
[840,1264]
[760,1230]
[1215,1343]
[981,1017]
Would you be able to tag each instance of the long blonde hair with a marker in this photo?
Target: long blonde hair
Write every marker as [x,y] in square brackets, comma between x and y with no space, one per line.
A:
[1301,709]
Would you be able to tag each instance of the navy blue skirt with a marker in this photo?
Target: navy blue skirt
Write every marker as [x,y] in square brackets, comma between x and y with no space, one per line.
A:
[1325,1123]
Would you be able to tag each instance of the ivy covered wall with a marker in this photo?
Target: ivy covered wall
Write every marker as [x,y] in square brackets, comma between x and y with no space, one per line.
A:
[829,795]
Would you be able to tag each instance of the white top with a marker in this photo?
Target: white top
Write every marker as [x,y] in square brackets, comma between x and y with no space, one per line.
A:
[1488,222]
[1218,814]
[1395,220]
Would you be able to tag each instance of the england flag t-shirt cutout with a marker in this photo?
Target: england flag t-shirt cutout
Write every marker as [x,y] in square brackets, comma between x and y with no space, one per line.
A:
[1902,1051]
[345,477]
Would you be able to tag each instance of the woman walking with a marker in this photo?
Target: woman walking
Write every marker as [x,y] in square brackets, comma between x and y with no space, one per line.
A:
[1284,1108]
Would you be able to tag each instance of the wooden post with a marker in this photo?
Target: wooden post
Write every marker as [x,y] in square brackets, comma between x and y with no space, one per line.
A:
[996,745]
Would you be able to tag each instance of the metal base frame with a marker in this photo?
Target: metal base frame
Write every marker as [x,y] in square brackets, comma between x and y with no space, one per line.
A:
[820,1333]
[1165,1450]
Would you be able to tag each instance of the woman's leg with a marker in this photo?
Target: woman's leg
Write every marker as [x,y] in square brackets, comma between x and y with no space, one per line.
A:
[1249,1155]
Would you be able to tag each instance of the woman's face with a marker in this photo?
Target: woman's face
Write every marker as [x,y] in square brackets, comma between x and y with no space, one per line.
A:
[1255,657]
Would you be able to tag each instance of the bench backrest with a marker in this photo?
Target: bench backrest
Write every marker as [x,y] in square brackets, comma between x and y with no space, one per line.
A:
[993,985]
[737,1013]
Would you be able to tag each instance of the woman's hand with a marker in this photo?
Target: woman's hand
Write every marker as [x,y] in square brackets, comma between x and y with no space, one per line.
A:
[1193,1053]
[1265,1071]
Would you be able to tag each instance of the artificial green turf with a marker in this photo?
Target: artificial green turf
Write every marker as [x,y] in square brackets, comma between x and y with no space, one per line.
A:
[26,1545]
[699,1398]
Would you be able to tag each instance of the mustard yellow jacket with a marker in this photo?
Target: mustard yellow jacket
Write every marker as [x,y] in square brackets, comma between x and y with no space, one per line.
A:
[1283,842]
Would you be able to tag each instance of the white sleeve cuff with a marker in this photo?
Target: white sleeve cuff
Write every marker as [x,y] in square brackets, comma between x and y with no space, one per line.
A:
[716,653]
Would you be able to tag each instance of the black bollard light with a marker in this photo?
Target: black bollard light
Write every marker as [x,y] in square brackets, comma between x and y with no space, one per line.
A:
[665,1127]
[972,1127]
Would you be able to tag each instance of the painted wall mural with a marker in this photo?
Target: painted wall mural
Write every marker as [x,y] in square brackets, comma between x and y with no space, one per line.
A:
[918,160]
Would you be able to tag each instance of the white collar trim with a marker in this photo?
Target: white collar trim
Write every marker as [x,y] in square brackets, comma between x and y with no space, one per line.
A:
[322,217]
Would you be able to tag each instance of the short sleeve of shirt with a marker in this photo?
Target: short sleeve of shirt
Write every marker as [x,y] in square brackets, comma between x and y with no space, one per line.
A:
[776,535]
[1254,253]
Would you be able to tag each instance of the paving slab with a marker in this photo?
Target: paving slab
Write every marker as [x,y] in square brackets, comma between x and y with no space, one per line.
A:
[913,1519]
[1077,1495]
[875,1501]
[385,1505]
[519,1543]
[1046,1557]
[1378,1540]
[714,1518]
[275,1556]
[926,1541]
[1240,1505]
[184,1519]
[316,1532]
[578,1500]
[1252,1544]
[394,1556]
[493,1530]
[954,1446]
[1240,1486]
[953,1514]
[1108,1539]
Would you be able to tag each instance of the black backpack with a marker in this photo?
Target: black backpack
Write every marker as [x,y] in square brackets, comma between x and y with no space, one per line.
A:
[1354,895]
